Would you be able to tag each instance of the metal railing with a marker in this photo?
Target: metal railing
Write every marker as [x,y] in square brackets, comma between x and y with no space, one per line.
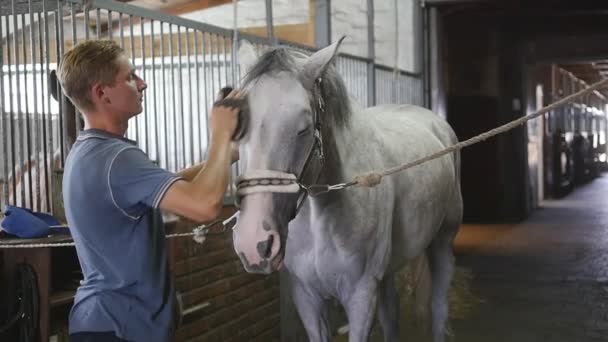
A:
[183,62]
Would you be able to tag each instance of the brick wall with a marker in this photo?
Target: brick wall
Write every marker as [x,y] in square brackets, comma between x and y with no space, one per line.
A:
[232,304]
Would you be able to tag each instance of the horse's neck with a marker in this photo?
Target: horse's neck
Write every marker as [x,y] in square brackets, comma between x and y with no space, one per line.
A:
[338,148]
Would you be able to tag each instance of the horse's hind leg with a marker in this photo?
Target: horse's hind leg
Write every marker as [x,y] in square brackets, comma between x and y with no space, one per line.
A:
[313,311]
[388,308]
[441,264]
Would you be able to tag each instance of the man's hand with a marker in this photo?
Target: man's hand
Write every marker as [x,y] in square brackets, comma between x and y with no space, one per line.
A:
[224,119]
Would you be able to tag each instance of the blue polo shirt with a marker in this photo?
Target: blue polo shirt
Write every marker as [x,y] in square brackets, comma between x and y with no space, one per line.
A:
[111,193]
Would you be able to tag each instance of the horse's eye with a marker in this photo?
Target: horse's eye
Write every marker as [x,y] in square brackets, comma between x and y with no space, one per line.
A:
[304,131]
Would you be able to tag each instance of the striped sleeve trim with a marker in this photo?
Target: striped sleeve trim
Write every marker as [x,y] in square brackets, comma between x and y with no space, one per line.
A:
[110,185]
[163,190]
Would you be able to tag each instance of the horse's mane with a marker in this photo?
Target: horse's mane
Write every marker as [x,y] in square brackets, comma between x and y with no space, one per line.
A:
[333,91]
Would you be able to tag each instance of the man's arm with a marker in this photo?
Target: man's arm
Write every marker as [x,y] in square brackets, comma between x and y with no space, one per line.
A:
[191,172]
[202,197]
[188,174]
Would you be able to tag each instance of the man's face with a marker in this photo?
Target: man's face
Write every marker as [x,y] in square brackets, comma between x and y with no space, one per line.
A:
[125,96]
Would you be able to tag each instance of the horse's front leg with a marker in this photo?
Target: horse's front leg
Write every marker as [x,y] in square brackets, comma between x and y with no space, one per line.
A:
[313,311]
[361,308]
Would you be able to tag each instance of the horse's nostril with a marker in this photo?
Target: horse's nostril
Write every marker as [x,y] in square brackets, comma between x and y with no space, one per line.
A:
[265,247]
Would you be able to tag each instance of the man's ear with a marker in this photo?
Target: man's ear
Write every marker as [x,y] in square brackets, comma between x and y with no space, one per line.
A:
[98,94]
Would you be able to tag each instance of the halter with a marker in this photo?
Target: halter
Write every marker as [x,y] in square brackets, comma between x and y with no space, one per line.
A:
[271,181]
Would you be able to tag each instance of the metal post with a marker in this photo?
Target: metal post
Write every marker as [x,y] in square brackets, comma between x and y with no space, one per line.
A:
[269,24]
[323,22]
[371,55]
[235,44]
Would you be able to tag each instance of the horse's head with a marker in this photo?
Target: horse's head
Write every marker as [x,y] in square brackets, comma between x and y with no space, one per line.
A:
[291,96]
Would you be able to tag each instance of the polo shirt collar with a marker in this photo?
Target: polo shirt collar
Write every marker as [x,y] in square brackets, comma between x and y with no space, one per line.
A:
[101,134]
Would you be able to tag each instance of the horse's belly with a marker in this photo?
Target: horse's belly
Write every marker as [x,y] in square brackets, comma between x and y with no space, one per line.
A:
[425,198]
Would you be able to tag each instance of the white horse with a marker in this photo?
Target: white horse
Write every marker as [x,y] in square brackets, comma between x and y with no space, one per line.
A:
[31,180]
[303,129]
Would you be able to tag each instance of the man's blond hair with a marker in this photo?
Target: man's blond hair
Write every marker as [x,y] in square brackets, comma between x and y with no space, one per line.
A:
[88,63]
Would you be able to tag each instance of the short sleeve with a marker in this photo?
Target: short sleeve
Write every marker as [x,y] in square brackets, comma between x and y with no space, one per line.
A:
[136,183]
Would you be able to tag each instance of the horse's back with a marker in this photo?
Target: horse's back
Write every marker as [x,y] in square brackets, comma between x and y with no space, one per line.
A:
[413,119]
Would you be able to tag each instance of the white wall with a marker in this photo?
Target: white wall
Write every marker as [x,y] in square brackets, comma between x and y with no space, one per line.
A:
[349,17]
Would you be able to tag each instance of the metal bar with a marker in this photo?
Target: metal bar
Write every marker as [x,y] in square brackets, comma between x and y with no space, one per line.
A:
[97,21]
[86,23]
[4,131]
[214,91]
[396,47]
[371,54]
[190,91]
[155,96]
[12,108]
[164,88]
[198,102]
[225,54]
[110,26]
[73,21]
[122,31]
[132,40]
[143,75]
[323,22]
[48,108]
[75,38]
[26,115]
[20,150]
[269,24]
[61,131]
[35,109]
[180,117]
[44,116]
[235,40]
[204,45]
[173,99]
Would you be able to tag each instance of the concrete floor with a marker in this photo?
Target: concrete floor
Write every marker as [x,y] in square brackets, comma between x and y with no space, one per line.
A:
[545,279]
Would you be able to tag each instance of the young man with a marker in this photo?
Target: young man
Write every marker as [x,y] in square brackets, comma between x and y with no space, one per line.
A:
[111,190]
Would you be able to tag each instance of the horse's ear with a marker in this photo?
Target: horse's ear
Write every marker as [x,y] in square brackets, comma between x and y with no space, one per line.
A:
[248,56]
[318,63]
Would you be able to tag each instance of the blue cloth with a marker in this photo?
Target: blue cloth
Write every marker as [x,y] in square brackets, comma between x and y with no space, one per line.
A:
[25,223]
[111,194]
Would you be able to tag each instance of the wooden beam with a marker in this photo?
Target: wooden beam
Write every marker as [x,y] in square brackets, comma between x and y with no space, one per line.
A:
[177,6]
[173,7]
[213,44]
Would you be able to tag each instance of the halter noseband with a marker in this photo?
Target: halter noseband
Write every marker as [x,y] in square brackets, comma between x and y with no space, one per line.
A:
[271,181]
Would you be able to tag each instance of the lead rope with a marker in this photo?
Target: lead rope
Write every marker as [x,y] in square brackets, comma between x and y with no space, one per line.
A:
[374,178]
[199,233]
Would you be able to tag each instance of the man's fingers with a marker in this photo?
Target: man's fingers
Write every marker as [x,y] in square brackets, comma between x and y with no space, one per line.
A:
[224,93]
[236,94]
